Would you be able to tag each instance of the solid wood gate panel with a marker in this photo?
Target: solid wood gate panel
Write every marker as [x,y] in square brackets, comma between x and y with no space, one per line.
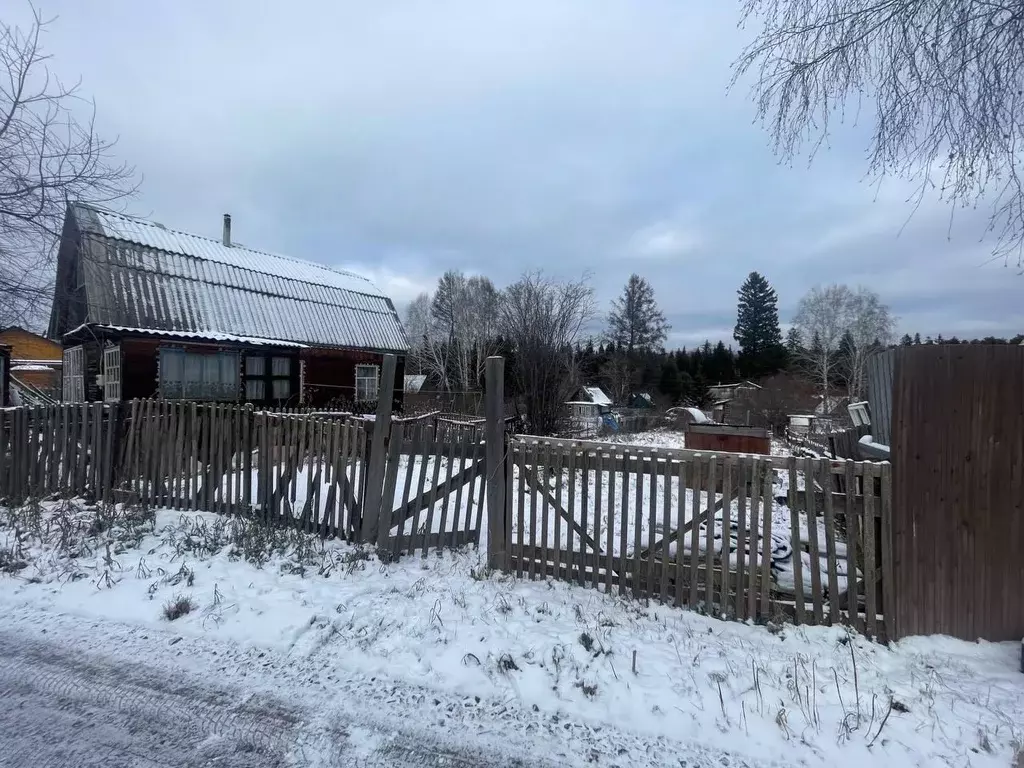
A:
[958,501]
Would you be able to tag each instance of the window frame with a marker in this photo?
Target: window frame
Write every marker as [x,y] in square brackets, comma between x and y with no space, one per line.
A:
[268,378]
[211,385]
[376,380]
[112,386]
[73,374]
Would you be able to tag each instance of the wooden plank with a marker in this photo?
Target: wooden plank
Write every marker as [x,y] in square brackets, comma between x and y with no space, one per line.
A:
[520,453]
[598,499]
[374,478]
[680,560]
[416,536]
[870,580]
[830,552]
[97,449]
[610,530]
[328,523]
[677,454]
[544,459]
[435,482]
[480,494]
[742,523]
[794,522]
[709,540]
[766,536]
[559,458]
[498,525]
[387,516]
[699,471]
[570,517]
[5,481]
[584,512]
[812,535]
[248,444]
[727,491]
[851,552]
[446,496]
[666,524]
[638,519]
[888,576]
[461,455]
[623,518]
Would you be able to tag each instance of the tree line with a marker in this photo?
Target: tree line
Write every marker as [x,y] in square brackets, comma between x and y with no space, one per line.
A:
[544,329]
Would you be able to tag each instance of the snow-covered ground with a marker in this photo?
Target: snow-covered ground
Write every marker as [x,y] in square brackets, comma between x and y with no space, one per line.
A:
[617,674]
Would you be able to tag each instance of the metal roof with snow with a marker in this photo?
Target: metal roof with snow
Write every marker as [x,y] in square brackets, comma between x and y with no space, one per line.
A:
[597,396]
[141,275]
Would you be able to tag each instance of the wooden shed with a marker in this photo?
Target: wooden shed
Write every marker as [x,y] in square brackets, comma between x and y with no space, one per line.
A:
[728,439]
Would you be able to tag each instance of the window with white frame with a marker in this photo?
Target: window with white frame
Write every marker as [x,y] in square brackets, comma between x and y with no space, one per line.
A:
[112,374]
[198,375]
[367,383]
[74,375]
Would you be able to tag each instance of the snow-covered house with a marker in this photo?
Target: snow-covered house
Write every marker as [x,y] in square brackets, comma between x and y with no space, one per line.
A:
[147,311]
[589,403]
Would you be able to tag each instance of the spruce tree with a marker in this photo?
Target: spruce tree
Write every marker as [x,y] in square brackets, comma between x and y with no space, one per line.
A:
[757,328]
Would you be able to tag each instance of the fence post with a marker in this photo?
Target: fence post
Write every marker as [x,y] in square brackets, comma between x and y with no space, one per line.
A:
[374,474]
[494,435]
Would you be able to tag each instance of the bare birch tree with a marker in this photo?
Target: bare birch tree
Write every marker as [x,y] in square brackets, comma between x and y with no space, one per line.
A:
[49,156]
[942,78]
[823,315]
[542,320]
[871,326]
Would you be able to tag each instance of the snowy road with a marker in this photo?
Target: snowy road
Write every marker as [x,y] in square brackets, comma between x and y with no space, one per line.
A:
[60,707]
[76,693]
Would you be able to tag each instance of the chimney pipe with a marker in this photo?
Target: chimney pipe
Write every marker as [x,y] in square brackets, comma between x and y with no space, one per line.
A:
[227,229]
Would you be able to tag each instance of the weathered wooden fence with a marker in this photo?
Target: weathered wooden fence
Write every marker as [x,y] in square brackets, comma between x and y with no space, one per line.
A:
[750,537]
[755,537]
[305,470]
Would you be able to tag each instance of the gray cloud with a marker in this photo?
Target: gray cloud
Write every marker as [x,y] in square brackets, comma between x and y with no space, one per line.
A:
[407,138]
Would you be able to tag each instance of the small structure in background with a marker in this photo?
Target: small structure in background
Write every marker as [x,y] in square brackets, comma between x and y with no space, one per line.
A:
[35,364]
[729,439]
[682,417]
[641,400]
[413,384]
[589,403]
[724,394]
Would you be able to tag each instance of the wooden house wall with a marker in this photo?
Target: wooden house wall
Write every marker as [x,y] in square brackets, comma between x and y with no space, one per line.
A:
[330,376]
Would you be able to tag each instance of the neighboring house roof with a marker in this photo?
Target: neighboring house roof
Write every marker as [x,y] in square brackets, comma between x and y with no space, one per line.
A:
[830,405]
[596,395]
[146,276]
[415,382]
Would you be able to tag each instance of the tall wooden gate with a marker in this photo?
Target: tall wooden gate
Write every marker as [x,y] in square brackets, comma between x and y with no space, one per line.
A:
[958,462]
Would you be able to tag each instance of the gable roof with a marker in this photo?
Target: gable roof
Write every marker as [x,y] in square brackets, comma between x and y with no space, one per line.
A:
[141,275]
[596,395]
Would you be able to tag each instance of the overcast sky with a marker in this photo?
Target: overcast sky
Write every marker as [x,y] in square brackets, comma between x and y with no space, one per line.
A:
[402,139]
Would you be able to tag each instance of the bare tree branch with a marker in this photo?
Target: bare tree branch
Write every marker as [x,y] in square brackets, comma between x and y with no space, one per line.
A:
[542,320]
[943,78]
[48,157]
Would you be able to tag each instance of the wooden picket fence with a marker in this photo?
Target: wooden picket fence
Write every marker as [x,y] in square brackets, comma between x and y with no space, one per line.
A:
[705,531]
[283,468]
[58,449]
